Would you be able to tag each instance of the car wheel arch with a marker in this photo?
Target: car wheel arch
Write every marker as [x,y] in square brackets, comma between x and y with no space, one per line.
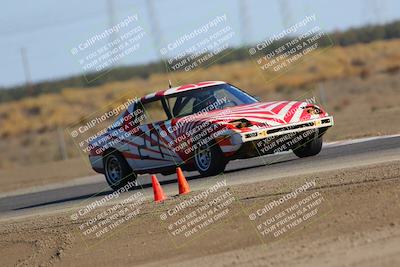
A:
[222,161]
[111,150]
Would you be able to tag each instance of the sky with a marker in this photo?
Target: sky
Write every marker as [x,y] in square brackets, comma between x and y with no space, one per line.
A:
[47,30]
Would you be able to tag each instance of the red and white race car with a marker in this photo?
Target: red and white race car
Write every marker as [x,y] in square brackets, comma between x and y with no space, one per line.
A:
[201,127]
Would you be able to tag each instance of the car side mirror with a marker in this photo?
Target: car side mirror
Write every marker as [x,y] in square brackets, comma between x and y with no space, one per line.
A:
[257,98]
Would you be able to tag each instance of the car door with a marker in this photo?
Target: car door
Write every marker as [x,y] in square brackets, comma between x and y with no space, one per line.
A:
[150,147]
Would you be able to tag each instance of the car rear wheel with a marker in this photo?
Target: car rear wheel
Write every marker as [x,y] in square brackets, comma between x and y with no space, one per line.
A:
[311,148]
[117,171]
[209,159]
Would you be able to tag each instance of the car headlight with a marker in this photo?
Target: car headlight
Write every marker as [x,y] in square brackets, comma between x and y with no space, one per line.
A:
[241,123]
[313,110]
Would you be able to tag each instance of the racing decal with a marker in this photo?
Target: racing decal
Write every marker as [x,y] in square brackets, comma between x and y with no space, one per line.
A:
[169,141]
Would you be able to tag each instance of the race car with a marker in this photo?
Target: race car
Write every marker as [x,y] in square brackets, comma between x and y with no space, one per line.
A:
[202,127]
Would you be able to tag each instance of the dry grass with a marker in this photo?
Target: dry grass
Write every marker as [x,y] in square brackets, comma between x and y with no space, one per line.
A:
[28,127]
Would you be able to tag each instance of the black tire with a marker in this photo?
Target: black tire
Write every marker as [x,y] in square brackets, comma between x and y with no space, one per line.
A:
[215,164]
[117,171]
[311,148]
[165,173]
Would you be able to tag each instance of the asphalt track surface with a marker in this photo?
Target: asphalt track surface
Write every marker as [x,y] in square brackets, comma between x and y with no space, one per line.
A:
[333,156]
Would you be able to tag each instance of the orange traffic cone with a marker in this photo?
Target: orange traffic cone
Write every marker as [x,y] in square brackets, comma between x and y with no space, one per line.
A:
[183,184]
[157,189]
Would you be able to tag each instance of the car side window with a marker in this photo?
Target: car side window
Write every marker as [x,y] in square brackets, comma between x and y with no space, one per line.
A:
[138,114]
[154,112]
[183,106]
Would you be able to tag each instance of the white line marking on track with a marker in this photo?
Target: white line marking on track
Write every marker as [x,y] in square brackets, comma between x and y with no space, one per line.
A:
[359,140]
[99,177]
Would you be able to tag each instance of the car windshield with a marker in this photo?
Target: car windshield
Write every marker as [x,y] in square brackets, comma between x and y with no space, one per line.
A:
[207,99]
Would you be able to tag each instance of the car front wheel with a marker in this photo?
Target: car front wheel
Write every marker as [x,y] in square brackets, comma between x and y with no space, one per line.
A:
[209,159]
[117,171]
[311,148]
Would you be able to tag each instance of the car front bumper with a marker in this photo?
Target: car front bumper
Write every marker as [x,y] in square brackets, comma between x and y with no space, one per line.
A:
[263,133]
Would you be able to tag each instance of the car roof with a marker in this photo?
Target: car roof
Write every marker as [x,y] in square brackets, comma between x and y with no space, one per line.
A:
[178,89]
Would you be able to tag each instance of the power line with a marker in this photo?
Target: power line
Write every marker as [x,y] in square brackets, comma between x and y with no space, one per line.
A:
[42,26]
[58,23]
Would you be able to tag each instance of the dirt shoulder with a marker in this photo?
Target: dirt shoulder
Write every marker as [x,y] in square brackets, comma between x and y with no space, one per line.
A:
[359,110]
[357,224]
[44,174]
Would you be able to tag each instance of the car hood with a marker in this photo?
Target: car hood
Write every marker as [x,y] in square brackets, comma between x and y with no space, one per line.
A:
[261,114]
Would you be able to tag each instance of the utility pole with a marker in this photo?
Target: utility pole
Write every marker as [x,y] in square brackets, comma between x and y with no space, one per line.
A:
[27,71]
[285,12]
[244,21]
[377,9]
[111,19]
[322,94]
[61,143]
[155,26]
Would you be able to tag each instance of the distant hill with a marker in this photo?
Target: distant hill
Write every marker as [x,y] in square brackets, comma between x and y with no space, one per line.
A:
[351,36]
[358,74]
